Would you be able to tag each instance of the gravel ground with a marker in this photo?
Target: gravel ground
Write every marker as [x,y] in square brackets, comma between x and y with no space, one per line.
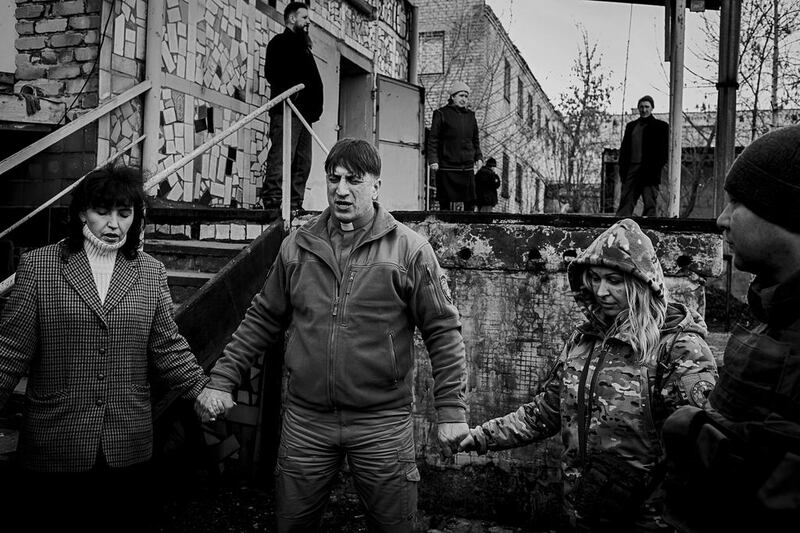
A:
[242,508]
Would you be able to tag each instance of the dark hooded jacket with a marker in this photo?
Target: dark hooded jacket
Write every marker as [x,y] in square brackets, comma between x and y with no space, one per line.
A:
[612,434]
[743,452]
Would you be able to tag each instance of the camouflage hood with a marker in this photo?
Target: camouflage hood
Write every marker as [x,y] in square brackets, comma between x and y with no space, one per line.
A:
[623,247]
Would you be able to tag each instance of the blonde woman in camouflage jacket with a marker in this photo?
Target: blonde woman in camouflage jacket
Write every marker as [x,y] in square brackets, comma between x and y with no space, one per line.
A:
[622,372]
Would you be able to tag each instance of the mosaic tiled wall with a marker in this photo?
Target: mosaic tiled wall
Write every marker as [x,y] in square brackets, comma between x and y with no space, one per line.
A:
[213,57]
[121,67]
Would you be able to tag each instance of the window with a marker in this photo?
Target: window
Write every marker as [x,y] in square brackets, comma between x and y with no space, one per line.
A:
[507,81]
[538,120]
[530,111]
[520,99]
[518,192]
[504,177]
[431,56]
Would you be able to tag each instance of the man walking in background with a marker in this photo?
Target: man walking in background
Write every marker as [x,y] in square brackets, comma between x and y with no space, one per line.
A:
[289,61]
[642,156]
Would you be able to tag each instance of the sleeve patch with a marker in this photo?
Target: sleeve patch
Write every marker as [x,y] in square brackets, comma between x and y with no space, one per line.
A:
[697,387]
[445,289]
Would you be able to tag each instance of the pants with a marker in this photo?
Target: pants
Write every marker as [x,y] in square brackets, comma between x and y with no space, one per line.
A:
[379,448]
[300,161]
[634,186]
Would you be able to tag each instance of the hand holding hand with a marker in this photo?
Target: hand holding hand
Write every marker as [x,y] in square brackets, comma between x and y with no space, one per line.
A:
[478,164]
[212,403]
[450,435]
[468,444]
[434,166]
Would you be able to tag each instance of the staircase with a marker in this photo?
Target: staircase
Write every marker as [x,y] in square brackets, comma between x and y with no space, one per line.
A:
[216,260]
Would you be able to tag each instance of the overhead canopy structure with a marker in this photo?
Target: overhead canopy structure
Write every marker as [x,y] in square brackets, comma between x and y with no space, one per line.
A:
[727,84]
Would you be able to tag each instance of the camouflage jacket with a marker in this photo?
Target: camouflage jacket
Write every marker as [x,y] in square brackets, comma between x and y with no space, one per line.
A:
[623,406]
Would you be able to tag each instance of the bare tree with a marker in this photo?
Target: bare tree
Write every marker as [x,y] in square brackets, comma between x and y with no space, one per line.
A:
[769,57]
[584,107]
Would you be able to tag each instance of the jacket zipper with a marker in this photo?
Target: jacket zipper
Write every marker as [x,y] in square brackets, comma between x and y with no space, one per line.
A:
[393,355]
[331,346]
[350,280]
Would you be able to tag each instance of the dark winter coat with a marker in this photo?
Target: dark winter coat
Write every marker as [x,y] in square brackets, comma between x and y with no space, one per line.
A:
[655,150]
[289,61]
[486,185]
[744,451]
[454,141]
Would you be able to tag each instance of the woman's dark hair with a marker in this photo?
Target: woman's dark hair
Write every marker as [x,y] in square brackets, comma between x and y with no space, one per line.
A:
[108,187]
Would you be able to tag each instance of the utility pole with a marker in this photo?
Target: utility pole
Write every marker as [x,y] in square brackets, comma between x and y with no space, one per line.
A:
[775,62]
[676,107]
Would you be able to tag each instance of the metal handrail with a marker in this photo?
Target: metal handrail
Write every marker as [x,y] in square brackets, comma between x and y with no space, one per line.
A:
[188,158]
[7,283]
[160,176]
[77,124]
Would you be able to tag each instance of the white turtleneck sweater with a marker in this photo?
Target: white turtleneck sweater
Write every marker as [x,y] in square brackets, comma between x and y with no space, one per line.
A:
[102,256]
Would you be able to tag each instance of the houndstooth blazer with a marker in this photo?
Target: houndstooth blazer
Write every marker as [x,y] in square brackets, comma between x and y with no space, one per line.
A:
[87,362]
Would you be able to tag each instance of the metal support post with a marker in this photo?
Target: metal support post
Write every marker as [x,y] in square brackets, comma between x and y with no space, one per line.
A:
[286,167]
[152,99]
[676,108]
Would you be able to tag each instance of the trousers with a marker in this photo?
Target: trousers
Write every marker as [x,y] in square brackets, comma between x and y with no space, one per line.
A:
[379,449]
[300,162]
[635,185]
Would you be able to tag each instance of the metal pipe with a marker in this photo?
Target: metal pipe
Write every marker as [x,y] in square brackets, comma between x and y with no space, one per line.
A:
[676,108]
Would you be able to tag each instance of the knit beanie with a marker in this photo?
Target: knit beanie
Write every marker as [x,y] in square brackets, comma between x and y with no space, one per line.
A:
[766,177]
[458,87]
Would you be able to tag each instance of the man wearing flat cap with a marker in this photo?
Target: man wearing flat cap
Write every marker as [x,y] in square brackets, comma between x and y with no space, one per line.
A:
[736,465]
[454,150]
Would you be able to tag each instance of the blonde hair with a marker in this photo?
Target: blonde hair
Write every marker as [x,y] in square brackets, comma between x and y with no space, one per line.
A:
[642,321]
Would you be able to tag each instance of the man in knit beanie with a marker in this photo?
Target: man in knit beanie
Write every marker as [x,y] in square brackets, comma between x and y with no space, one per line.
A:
[743,452]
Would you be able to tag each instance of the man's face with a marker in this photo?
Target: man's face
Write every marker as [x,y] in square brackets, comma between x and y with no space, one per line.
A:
[460,98]
[753,241]
[299,20]
[349,196]
[645,109]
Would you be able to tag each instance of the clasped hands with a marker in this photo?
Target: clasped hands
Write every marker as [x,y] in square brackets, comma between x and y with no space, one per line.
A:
[212,404]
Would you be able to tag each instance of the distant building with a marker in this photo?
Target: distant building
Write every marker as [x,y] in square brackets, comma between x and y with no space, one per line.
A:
[464,40]
[698,188]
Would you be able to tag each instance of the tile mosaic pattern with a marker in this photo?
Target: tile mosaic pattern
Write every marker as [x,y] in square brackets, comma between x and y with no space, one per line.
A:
[220,45]
[121,66]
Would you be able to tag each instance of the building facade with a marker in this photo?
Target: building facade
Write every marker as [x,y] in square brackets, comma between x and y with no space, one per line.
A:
[463,40]
[72,56]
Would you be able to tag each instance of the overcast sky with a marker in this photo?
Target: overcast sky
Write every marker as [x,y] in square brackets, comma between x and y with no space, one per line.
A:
[546,33]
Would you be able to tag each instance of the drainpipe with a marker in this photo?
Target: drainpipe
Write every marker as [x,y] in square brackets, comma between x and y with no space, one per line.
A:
[152,99]
[413,46]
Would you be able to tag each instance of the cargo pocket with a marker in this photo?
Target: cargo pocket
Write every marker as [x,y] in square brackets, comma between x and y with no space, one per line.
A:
[409,466]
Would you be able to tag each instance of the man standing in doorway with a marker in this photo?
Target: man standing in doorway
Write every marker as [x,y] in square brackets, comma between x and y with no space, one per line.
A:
[642,156]
[289,61]
[350,287]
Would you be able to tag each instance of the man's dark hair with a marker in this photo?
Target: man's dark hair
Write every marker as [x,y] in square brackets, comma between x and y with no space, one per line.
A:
[646,98]
[108,187]
[356,155]
[491,162]
[292,8]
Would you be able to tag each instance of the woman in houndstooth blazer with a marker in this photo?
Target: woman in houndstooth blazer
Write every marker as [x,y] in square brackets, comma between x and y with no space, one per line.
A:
[87,318]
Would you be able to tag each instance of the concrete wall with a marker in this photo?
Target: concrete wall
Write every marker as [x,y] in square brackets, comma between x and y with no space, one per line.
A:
[508,280]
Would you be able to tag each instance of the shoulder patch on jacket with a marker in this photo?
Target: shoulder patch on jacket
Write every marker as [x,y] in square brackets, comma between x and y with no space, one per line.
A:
[445,288]
[697,387]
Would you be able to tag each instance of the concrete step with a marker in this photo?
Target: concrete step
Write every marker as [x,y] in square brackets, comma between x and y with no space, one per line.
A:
[183,283]
[192,255]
